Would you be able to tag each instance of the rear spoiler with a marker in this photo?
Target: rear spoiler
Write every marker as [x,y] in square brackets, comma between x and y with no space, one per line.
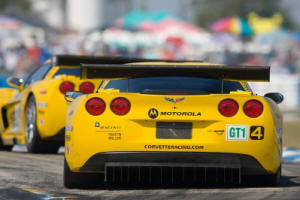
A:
[224,72]
[73,60]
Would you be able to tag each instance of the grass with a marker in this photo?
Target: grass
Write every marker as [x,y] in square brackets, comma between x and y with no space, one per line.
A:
[291,134]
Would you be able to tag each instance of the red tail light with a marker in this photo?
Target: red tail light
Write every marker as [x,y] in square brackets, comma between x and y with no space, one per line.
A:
[95,106]
[66,86]
[228,107]
[120,106]
[86,87]
[253,108]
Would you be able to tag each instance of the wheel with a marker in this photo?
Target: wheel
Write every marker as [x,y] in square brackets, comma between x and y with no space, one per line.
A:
[274,179]
[81,180]
[34,142]
[265,180]
[5,147]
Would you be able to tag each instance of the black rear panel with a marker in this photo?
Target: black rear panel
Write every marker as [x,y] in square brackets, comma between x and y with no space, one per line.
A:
[173,130]
[135,174]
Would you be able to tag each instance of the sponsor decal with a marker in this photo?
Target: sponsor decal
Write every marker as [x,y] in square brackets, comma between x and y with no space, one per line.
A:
[69,128]
[195,114]
[154,113]
[114,136]
[107,128]
[43,92]
[42,104]
[67,137]
[71,113]
[41,121]
[235,132]
[68,150]
[164,147]
[257,132]
[41,112]
[173,100]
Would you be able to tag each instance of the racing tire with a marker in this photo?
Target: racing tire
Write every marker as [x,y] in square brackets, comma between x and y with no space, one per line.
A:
[265,180]
[34,143]
[5,147]
[272,180]
[81,180]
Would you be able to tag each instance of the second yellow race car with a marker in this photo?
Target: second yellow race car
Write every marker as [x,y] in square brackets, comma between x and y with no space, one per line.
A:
[34,112]
[168,122]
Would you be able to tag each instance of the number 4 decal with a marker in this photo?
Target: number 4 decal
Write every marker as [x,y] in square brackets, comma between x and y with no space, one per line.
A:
[257,132]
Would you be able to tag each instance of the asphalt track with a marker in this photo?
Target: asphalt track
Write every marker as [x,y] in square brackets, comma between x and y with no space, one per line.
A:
[27,176]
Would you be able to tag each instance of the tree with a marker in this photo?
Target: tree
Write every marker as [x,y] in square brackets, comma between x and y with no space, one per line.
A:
[211,10]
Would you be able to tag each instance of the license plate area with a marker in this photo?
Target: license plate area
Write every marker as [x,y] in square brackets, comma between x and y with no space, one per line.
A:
[174,130]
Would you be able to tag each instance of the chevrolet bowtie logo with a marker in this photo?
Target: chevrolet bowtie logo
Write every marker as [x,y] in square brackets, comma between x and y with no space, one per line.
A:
[174,101]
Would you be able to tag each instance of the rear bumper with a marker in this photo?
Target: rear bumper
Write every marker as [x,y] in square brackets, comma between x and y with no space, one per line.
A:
[246,165]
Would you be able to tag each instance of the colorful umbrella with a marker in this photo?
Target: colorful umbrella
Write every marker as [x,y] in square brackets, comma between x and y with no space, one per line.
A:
[233,25]
[135,18]
[7,22]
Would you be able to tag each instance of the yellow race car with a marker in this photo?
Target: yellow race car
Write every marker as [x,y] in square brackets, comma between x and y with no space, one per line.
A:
[172,122]
[34,112]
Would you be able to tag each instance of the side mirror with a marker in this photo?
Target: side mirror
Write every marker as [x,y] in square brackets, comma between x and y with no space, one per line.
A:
[275,96]
[15,82]
[70,96]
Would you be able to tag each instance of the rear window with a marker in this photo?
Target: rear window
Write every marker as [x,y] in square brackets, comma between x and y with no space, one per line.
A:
[188,85]
[68,71]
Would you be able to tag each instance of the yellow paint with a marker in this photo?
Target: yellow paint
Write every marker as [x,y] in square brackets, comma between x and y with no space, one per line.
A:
[137,129]
[50,102]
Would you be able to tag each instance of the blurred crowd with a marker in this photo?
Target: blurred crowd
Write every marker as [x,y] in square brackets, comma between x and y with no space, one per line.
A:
[20,55]
[20,58]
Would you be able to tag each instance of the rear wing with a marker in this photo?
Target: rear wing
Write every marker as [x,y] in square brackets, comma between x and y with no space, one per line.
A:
[223,72]
[73,60]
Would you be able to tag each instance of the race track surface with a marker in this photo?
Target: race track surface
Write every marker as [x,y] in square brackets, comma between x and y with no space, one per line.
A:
[27,176]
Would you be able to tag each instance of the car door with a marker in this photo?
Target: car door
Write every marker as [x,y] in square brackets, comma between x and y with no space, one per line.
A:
[18,104]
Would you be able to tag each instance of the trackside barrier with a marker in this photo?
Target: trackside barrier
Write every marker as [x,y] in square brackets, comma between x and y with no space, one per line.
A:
[288,85]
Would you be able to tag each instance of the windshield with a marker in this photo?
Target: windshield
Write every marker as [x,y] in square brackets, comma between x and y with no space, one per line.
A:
[68,71]
[187,85]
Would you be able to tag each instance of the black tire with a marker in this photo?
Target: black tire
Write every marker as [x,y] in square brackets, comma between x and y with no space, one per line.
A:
[81,180]
[5,147]
[34,143]
[274,179]
[265,180]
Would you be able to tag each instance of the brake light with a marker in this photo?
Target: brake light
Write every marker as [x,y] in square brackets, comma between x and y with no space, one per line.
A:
[66,86]
[253,108]
[95,106]
[228,107]
[86,87]
[120,106]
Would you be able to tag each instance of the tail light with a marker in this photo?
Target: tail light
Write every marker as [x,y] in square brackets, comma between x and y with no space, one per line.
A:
[86,87]
[66,86]
[120,106]
[95,106]
[228,107]
[253,108]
